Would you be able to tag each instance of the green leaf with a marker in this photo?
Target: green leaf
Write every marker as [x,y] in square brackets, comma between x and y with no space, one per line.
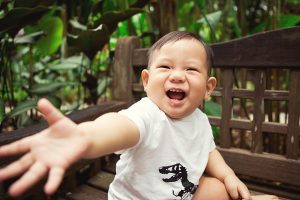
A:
[201,4]
[2,110]
[211,19]
[112,18]
[259,28]
[289,20]
[24,120]
[54,100]
[23,107]
[293,1]
[42,89]
[69,63]
[64,66]
[28,38]
[53,28]
[32,3]
[90,41]
[76,24]
[213,109]
[102,86]
[17,18]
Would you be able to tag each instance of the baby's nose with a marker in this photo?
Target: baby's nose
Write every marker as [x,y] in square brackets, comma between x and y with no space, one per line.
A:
[177,76]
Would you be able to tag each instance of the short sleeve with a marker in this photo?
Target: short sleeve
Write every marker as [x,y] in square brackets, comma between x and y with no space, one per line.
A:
[211,141]
[212,145]
[140,113]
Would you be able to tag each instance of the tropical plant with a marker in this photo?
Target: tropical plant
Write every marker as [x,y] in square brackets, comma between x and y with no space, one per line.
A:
[51,48]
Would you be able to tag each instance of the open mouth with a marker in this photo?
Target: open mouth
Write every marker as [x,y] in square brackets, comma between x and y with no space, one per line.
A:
[176,94]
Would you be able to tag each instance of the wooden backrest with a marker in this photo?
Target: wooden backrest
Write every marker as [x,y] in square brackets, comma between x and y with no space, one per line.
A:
[260,57]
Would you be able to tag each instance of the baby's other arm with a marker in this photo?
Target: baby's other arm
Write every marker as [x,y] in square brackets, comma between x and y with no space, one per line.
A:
[217,167]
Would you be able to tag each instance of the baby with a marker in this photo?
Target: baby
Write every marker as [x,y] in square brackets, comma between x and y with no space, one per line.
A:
[165,141]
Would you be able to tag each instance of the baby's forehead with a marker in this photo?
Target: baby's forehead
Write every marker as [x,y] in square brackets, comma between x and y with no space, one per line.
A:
[182,40]
[170,44]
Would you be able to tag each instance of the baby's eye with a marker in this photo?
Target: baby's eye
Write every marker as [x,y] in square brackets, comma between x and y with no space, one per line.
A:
[192,69]
[164,67]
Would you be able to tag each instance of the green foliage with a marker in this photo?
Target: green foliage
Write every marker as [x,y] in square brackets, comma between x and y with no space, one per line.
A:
[69,63]
[213,109]
[52,27]
[289,20]
[46,88]
[19,17]
[89,41]
[49,47]
[2,110]
[23,107]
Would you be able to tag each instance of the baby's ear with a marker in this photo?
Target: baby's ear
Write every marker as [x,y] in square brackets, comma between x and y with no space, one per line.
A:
[210,86]
[145,78]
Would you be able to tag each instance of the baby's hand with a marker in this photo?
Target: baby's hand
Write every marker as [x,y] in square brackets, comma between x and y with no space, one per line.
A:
[236,188]
[50,152]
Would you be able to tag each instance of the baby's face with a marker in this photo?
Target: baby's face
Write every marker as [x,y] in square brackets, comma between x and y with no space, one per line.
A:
[177,79]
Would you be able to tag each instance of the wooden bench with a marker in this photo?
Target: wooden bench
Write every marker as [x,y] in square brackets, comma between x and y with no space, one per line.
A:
[248,141]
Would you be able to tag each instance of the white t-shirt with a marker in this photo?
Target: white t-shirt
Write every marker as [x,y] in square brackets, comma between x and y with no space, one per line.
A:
[169,158]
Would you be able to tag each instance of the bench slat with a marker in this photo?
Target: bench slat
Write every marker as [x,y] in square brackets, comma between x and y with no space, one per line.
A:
[85,192]
[226,107]
[265,166]
[102,180]
[276,49]
[294,113]
[259,110]
[236,93]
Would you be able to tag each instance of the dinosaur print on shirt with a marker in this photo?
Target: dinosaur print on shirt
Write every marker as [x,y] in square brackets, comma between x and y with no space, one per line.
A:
[179,173]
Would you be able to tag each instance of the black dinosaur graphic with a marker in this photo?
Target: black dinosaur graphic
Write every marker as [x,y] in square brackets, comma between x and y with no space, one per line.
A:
[179,173]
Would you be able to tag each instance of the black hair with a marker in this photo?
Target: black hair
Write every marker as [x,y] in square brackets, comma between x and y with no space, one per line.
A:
[179,35]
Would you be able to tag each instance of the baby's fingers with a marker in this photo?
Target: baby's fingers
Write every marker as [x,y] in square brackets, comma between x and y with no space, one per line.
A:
[16,168]
[244,192]
[31,177]
[51,114]
[18,147]
[233,193]
[55,177]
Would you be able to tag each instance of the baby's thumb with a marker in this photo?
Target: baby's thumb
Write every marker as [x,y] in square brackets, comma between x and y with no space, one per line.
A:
[51,114]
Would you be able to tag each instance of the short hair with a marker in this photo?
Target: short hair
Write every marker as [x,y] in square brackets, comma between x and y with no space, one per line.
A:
[179,35]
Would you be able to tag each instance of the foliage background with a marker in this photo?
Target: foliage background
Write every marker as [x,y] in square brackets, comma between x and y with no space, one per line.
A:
[63,49]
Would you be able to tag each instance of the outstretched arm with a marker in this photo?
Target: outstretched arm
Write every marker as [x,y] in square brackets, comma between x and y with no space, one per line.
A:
[216,167]
[54,149]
